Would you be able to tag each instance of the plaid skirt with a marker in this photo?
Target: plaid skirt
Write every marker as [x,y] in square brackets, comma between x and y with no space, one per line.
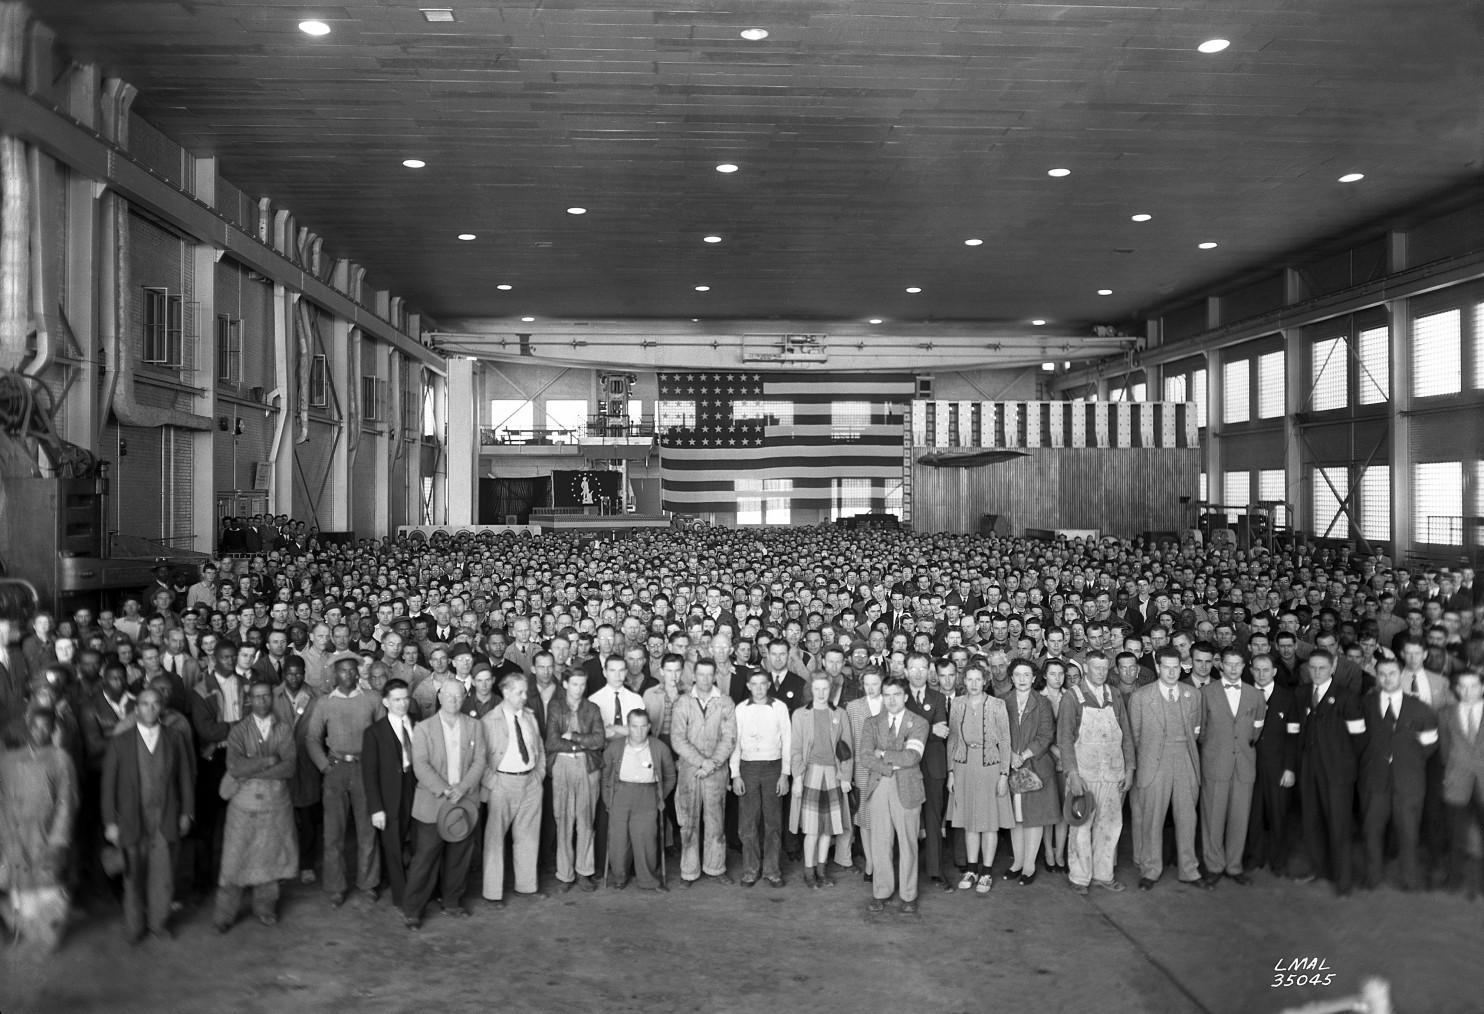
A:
[823,808]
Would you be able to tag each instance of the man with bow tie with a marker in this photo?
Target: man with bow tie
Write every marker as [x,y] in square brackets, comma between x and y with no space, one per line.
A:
[1232,718]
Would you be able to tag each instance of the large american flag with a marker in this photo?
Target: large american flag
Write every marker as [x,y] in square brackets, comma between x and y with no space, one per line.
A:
[801,437]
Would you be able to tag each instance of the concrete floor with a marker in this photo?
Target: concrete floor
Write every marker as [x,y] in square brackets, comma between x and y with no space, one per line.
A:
[763,950]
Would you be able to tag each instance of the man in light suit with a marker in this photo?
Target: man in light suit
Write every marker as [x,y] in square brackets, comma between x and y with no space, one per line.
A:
[1403,734]
[1232,718]
[512,788]
[890,755]
[448,759]
[1462,748]
[1165,717]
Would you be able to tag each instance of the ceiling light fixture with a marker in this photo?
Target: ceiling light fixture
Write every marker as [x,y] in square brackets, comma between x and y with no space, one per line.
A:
[577,211]
[874,320]
[1207,245]
[1142,216]
[527,320]
[1058,173]
[914,289]
[1352,177]
[413,163]
[1105,292]
[973,242]
[1038,322]
[710,239]
[726,167]
[1213,45]
[1049,367]
[437,14]
[703,288]
[754,34]
[314,28]
[504,286]
[467,236]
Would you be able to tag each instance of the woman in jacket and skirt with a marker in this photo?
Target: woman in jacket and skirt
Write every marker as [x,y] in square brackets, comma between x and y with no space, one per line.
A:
[821,758]
[1032,730]
[978,777]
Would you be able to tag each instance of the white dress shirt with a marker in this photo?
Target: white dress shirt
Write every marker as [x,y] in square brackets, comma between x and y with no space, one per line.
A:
[512,763]
[151,736]
[763,734]
[638,765]
[453,746]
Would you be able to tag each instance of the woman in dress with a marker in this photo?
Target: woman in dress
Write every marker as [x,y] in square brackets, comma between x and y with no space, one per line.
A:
[1054,676]
[978,777]
[1032,730]
[822,771]
[856,713]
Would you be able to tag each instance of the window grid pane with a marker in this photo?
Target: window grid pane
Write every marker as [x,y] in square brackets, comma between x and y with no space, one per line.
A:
[1328,524]
[850,497]
[1374,382]
[849,419]
[1198,395]
[777,509]
[1375,503]
[568,417]
[1201,492]
[1236,491]
[1236,391]
[1270,385]
[1273,485]
[1479,345]
[1436,348]
[1140,392]
[1437,496]
[894,498]
[1175,388]
[510,414]
[1328,373]
[749,508]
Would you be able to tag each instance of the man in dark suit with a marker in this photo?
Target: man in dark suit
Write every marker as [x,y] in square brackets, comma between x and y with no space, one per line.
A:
[1277,770]
[270,661]
[148,802]
[1402,734]
[1461,728]
[386,769]
[931,706]
[790,690]
[1333,734]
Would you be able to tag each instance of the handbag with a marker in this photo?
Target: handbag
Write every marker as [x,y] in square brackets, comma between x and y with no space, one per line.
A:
[229,786]
[842,751]
[1023,779]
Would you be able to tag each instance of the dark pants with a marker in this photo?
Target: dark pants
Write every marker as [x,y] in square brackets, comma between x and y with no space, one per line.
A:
[760,802]
[307,827]
[211,821]
[149,884]
[436,862]
[393,840]
[932,825]
[1404,814]
[1327,815]
[633,833]
[1267,824]
[1462,819]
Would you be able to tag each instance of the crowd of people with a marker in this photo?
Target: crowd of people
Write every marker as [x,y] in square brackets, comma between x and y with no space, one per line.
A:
[502,717]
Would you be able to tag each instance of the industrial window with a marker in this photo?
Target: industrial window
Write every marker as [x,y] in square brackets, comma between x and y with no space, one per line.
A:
[430,411]
[1325,498]
[1437,499]
[1175,388]
[1270,385]
[1236,391]
[1236,488]
[1375,503]
[373,399]
[319,382]
[1198,395]
[675,415]
[1374,347]
[636,411]
[849,419]
[567,419]
[1478,502]
[228,350]
[776,509]
[510,416]
[849,497]
[894,498]
[1201,492]
[756,507]
[1436,347]
[1328,373]
[1479,345]
[1272,485]
[162,327]
[770,413]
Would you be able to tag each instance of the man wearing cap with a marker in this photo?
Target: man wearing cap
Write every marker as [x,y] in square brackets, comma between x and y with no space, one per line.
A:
[448,760]
[512,783]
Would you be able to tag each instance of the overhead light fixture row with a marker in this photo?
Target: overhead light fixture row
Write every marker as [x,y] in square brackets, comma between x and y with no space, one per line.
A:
[314,28]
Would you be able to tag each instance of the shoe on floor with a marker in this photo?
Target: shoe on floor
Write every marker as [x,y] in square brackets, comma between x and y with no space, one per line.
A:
[586,884]
[722,878]
[774,881]
[966,882]
[306,876]
[1145,884]
[1116,886]
[909,908]
[1241,878]
[1079,889]
[876,905]
[985,884]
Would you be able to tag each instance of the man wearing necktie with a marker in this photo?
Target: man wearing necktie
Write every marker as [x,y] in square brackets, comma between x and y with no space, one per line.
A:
[1165,718]
[1334,729]
[1402,735]
[1233,715]
[512,787]
[930,705]
[386,768]
[890,757]
[1461,745]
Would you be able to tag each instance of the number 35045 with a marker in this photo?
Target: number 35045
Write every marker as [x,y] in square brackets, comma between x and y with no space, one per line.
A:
[1280,980]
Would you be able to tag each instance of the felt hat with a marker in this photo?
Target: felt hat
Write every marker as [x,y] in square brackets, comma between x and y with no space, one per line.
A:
[1078,810]
[455,823]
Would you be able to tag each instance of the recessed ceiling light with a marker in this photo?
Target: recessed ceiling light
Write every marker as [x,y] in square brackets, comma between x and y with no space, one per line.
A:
[914,289]
[703,288]
[1105,292]
[1049,367]
[577,211]
[314,28]
[527,320]
[710,239]
[1352,177]
[437,14]
[1038,322]
[1207,245]
[467,236]
[1058,173]
[973,242]
[754,34]
[504,286]
[413,163]
[874,320]
[726,167]
[1213,45]
[1142,216]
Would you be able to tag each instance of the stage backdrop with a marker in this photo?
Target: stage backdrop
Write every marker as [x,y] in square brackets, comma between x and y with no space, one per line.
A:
[584,489]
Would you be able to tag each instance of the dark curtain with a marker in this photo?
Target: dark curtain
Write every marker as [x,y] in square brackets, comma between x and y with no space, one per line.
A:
[507,501]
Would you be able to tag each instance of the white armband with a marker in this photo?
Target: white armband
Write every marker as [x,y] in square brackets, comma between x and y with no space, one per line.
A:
[1259,723]
[1427,737]
[915,745]
[1355,726]
[1293,728]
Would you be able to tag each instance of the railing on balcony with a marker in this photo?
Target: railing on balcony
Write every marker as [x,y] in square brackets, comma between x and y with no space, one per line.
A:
[596,429]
